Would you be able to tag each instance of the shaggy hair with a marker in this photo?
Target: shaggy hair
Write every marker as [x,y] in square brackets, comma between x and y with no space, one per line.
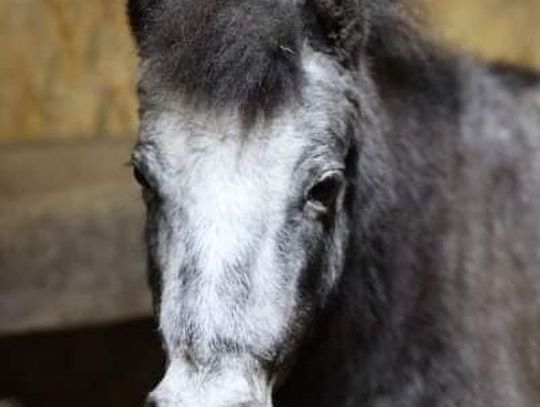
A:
[219,52]
[247,53]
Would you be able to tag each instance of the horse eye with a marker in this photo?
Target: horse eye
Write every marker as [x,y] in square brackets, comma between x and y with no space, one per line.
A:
[323,194]
[140,178]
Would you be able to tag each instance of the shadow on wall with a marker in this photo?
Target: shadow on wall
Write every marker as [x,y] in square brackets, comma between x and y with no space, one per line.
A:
[106,366]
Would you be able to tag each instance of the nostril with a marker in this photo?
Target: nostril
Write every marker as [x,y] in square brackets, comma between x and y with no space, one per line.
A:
[150,402]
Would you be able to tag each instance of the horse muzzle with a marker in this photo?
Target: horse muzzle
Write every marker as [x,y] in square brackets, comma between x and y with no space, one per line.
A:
[225,384]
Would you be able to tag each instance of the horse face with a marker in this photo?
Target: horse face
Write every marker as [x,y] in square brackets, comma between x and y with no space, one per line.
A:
[245,136]
[245,231]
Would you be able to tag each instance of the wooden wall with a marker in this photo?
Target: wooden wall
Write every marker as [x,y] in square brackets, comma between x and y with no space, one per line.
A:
[66,69]
[494,29]
[67,66]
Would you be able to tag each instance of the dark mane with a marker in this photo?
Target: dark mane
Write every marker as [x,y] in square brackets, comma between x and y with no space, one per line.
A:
[219,52]
[247,53]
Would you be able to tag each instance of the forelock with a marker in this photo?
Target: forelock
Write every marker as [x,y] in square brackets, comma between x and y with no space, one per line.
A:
[218,53]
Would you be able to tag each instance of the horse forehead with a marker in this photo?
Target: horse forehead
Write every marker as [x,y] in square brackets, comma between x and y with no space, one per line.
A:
[234,182]
[216,145]
[202,147]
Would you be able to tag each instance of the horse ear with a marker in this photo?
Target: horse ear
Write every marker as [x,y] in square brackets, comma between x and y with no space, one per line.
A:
[344,25]
[139,14]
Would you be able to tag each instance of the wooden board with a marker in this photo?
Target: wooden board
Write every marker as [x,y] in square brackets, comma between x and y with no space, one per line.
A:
[71,248]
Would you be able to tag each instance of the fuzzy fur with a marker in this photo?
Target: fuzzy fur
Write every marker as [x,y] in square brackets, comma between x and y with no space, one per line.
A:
[218,52]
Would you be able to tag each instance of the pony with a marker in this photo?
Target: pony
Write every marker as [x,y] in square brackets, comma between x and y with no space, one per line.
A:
[339,211]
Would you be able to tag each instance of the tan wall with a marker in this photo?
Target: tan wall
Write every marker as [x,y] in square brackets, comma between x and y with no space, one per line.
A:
[66,69]
[67,66]
[494,29]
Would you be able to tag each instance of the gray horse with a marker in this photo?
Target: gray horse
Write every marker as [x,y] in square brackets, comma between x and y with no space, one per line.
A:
[339,212]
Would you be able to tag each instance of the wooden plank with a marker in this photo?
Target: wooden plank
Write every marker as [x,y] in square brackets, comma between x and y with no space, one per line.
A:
[71,248]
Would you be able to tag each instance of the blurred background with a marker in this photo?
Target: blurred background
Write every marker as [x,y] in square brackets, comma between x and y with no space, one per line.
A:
[74,308]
